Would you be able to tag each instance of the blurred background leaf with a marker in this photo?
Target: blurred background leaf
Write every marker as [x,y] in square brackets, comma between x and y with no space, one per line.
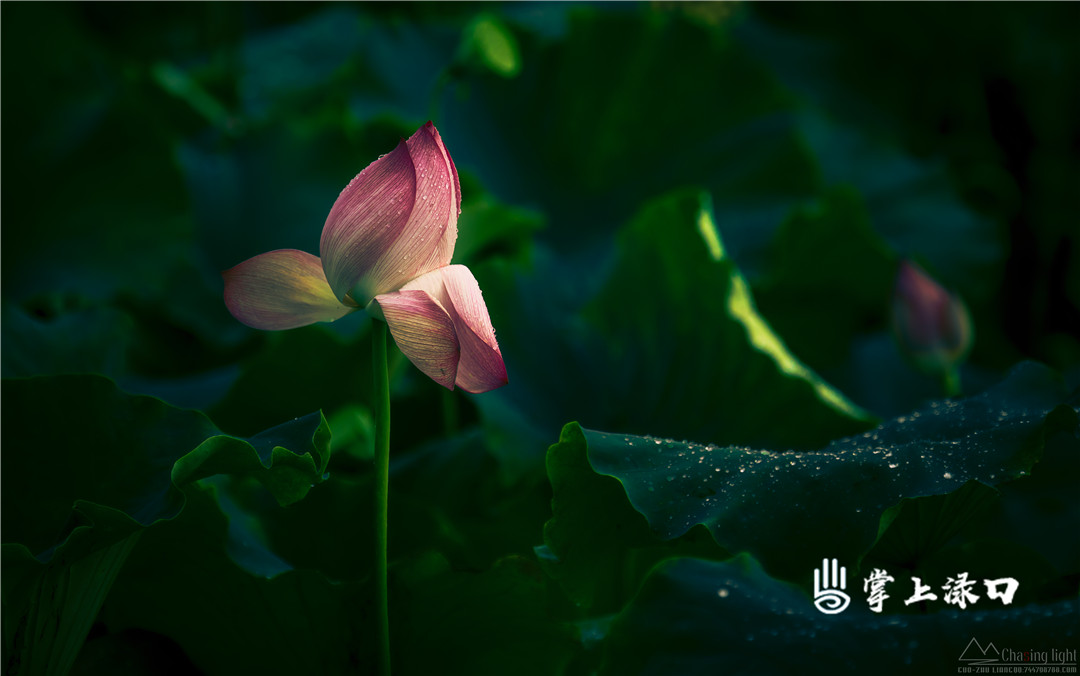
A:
[79,494]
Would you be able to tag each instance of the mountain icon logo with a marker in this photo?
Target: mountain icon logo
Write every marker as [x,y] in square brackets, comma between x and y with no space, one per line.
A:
[976,654]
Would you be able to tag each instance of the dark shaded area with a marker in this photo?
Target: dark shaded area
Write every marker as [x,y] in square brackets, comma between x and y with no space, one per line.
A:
[148,147]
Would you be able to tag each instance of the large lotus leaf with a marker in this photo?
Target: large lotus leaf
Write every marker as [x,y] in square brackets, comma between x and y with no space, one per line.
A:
[829,277]
[705,617]
[444,495]
[488,228]
[914,526]
[989,169]
[736,139]
[925,101]
[1035,512]
[1012,530]
[911,205]
[182,582]
[71,340]
[120,460]
[145,347]
[178,351]
[230,621]
[296,371]
[922,193]
[917,527]
[274,186]
[666,341]
[68,144]
[48,609]
[77,495]
[794,509]
[274,84]
[133,652]
[441,612]
[827,287]
[596,545]
[702,350]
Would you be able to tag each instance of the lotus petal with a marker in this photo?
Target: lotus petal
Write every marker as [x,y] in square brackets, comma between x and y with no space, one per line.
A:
[369,215]
[481,367]
[280,290]
[395,221]
[423,332]
[427,241]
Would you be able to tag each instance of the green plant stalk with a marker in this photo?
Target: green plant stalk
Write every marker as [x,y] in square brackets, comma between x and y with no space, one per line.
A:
[450,413]
[381,396]
[950,382]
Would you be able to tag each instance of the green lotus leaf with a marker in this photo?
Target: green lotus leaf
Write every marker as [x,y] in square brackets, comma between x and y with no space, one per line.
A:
[829,277]
[791,510]
[90,455]
[707,617]
[88,468]
[229,621]
[670,344]
[183,582]
[702,351]
[506,605]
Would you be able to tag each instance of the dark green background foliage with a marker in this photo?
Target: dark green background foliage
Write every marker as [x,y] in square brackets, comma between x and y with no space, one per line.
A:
[686,219]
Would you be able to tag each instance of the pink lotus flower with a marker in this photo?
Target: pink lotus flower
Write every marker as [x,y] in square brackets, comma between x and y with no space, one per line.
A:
[386,247]
[932,325]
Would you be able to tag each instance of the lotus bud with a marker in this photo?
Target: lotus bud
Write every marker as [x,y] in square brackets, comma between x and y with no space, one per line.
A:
[931,325]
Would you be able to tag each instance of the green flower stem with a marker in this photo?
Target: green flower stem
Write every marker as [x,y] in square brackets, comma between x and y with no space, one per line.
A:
[381,395]
[450,413]
[951,382]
